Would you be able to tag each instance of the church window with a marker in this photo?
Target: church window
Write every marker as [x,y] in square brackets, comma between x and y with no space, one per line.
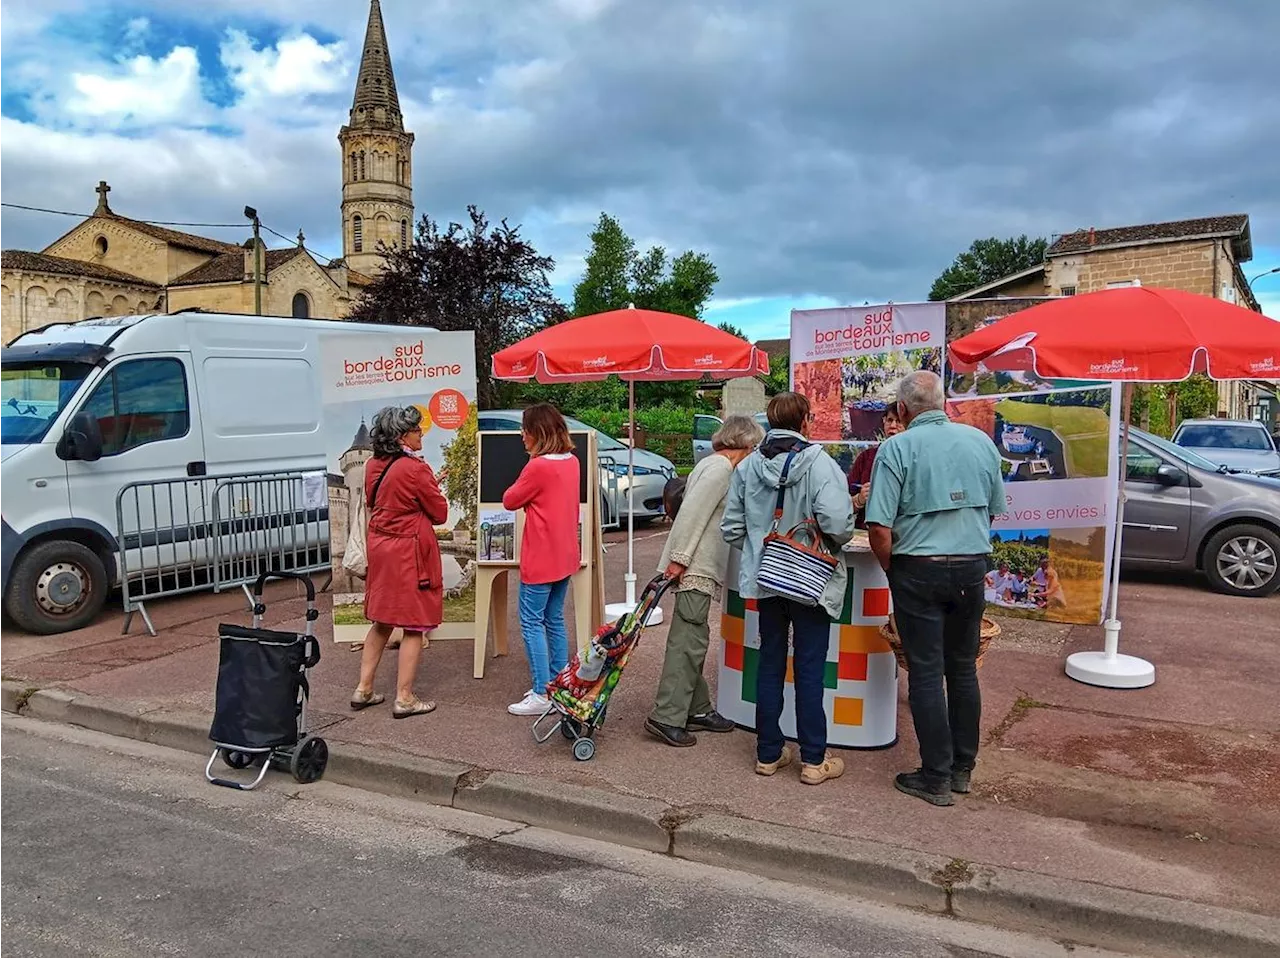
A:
[301,306]
[404,234]
[361,176]
[357,233]
[100,246]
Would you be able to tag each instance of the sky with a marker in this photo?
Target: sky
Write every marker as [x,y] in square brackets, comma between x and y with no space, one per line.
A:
[821,152]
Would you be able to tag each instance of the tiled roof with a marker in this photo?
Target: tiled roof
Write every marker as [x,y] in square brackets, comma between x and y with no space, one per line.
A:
[774,347]
[1235,225]
[173,237]
[230,267]
[42,262]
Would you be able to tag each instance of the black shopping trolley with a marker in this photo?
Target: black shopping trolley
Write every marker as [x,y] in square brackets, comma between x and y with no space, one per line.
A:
[260,709]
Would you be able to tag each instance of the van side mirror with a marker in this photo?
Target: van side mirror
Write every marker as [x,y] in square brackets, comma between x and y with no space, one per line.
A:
[1168,475]
[82,439]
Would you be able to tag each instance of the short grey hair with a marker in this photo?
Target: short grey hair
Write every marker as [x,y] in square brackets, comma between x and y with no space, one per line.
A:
[737,432]
[389,427]
[921,391]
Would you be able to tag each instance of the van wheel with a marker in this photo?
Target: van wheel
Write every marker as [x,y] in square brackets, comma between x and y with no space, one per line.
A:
[1243,560]
[56,587]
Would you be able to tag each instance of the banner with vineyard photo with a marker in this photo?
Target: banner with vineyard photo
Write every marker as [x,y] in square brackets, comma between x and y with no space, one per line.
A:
[436,373]
[1058,445]
[848,361]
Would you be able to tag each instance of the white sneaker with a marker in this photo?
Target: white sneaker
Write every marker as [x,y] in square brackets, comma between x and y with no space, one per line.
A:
[531,704]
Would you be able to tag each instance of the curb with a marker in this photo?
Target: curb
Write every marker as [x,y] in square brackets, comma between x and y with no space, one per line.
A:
[1081,912]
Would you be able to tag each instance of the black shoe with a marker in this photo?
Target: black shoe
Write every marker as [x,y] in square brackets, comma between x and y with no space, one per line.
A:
[711,721]
[960,781]
[914,783]
[670,734]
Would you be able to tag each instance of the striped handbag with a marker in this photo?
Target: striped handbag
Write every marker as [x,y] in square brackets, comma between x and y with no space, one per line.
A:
[788,567]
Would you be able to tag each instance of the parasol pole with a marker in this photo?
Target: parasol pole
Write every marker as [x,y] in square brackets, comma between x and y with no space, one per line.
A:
[631,497]
[1108,668]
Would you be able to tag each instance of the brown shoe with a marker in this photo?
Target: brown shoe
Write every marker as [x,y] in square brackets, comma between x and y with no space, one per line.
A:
[768,768]
[831,767]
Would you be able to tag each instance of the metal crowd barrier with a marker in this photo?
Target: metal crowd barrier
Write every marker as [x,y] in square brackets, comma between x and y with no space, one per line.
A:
[610,503]
[217,532]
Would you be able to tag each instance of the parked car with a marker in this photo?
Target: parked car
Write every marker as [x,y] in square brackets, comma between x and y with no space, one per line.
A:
[1242,445]
[652,471]
[1183,511]
[704,427]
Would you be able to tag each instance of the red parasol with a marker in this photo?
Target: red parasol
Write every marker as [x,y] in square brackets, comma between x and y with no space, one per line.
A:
[633,344]
[636,345]
[1130,334]
[1134,334]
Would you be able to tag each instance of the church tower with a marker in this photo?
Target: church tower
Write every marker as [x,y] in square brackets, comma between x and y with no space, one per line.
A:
[377,152]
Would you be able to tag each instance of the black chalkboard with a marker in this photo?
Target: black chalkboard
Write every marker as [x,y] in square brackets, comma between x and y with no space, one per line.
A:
[502,456]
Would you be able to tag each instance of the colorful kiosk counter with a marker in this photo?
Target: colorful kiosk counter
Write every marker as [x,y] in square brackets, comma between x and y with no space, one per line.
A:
[861,679]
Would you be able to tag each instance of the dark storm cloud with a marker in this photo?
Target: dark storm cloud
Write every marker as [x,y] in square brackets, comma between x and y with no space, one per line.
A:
[838,148]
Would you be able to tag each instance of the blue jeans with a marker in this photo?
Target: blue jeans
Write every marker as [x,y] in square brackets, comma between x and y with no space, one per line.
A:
[811,636]
[546,643]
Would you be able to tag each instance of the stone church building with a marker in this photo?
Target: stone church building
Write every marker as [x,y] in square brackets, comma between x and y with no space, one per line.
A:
[112,265]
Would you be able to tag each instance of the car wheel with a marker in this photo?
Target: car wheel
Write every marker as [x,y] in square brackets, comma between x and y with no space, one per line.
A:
[56,587]
[1243,560]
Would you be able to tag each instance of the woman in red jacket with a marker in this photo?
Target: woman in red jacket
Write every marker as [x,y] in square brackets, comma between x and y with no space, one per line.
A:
[550,550]
[405,587]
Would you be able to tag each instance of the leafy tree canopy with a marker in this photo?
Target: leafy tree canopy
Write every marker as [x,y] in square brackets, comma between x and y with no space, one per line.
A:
[985,261]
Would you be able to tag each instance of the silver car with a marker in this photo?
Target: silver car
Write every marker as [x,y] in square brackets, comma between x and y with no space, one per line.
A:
[1242,445]
[652,471]
[1183,511]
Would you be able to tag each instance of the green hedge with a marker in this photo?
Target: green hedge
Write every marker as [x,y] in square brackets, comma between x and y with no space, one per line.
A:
[665,419]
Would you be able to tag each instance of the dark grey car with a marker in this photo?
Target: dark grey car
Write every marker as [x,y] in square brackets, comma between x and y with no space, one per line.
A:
[1184,512]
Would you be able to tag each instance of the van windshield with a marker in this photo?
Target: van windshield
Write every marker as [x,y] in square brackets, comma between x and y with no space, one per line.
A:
[33,395]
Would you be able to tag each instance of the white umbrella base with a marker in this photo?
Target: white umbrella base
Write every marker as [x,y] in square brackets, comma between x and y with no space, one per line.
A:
[616,610]
[1111,672]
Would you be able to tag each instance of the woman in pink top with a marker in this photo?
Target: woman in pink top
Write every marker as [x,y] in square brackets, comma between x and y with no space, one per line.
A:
[550,551]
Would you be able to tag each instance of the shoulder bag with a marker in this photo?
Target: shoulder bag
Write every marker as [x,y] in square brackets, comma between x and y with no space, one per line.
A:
[355,557]
[789,567]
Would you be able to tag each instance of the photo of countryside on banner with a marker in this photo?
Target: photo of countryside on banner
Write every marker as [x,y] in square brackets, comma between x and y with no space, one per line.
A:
[435,373]
[1058,448]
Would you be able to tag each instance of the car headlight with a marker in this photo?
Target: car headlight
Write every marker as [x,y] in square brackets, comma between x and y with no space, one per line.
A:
[620,469]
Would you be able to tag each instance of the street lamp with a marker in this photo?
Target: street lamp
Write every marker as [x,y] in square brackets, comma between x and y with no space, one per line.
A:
[252,215]
[1274,269]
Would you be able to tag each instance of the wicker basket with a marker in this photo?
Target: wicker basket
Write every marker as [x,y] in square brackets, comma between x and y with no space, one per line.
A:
[889,632]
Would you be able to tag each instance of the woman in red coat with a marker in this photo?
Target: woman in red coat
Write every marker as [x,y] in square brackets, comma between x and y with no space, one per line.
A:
[404,588]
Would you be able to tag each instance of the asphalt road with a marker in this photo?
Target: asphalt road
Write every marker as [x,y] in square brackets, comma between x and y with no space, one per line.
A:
[118,848]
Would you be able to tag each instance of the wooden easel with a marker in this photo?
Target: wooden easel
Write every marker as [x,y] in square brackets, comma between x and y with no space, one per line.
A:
[493,579]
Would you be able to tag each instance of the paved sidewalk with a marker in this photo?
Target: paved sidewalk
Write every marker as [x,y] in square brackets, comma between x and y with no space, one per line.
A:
[1172,791]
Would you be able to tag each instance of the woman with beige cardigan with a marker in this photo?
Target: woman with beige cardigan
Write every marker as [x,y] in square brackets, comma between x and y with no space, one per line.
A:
[696,555]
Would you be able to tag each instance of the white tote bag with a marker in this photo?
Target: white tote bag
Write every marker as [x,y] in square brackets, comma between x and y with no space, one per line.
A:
[355,558]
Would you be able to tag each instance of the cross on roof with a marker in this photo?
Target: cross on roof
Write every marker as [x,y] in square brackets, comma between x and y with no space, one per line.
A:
[102,192]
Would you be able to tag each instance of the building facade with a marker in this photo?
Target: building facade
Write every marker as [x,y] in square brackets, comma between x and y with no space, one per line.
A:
[1203,256]
[112,265]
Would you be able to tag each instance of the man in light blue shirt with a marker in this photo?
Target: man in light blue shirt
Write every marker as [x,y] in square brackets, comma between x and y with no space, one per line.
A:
[934,490]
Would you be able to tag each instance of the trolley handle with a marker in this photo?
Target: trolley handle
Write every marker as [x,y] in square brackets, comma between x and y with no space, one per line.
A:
[261,582]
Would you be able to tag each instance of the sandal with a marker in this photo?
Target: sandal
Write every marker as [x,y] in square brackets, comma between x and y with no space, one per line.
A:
[362,700]
[416,707]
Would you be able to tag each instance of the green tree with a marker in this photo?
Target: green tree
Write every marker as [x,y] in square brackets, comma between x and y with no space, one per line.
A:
[461,470]
[779,378]
[733,330]
[479,277]
[987,260]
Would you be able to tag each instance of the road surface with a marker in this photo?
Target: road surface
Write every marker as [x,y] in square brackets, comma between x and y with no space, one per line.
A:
[118,848]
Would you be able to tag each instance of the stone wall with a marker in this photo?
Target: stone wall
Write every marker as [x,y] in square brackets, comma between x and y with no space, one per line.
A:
[31,300]
[1187,266]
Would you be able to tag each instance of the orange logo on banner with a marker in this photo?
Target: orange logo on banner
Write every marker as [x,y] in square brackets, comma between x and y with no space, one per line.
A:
[426,415]
[449,409]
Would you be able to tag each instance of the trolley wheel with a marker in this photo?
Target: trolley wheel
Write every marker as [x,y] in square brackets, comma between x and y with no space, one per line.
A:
[570,729]
[584,749]
[309,759]
[234,759]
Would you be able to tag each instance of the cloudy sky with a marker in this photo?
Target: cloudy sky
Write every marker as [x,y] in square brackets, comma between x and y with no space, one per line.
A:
[821,151]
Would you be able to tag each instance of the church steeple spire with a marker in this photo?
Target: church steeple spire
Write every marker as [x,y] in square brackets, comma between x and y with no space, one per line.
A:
[377,158]
[376,102]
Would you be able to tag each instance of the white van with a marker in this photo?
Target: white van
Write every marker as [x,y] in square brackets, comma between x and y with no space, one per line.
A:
[92,406]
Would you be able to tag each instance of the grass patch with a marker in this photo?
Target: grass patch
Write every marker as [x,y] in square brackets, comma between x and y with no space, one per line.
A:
[459,609]
[1084,431]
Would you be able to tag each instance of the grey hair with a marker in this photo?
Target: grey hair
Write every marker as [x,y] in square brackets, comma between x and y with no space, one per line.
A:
[921,391]
[737,432]
[389,426]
